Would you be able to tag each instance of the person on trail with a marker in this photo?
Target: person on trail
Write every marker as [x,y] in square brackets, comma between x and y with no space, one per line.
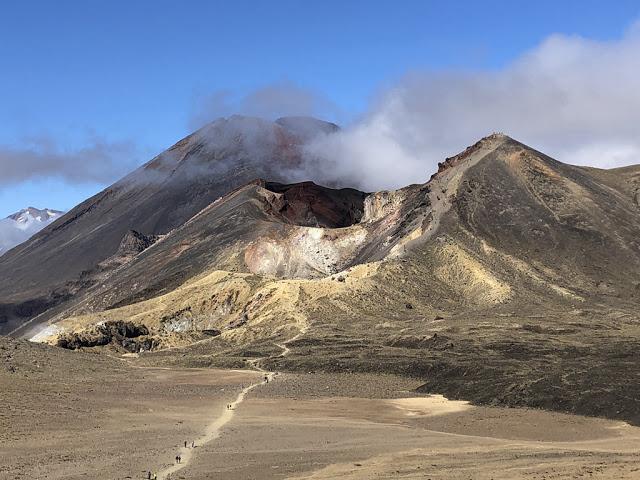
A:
[193,444]
[185,444]
[266,379]
[149,475]
[177,458]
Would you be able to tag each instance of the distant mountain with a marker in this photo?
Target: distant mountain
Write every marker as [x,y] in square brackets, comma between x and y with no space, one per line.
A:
[20,226]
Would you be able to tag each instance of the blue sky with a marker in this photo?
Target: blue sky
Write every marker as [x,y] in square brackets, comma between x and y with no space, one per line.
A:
[133,73]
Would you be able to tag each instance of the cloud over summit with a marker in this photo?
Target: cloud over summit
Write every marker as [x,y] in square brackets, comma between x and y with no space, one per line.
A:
[272,101]
[573,98]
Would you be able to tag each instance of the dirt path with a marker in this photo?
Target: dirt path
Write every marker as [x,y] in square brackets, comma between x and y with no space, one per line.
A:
[285,349]
[213,430]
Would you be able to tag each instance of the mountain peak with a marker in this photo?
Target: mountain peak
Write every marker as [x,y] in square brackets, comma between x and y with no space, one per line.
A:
[306,128]
[36,213]
[229,128]
[20,226]
[490,142]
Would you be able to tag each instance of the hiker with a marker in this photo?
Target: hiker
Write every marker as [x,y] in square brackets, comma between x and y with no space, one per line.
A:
[177,458]
[193,444]
[149,475]
[185,444]
[266,379]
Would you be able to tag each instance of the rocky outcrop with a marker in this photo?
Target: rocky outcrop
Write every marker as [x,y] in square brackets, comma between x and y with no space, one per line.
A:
[112,332]
[379,205]
[135,242]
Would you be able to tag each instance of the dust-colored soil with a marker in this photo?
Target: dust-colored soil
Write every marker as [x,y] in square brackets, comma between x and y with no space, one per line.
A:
[73,415]
[314,436]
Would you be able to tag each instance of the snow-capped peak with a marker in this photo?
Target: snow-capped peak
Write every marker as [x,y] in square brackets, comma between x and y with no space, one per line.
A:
[20,226]
[29,216]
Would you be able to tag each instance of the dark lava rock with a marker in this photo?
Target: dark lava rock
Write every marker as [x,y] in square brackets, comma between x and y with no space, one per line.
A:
[136,345]
[116,331]
[212,332]
[120,328]
[135,242]
[238,322]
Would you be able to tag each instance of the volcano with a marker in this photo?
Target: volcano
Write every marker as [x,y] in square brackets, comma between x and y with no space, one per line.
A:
[506,276]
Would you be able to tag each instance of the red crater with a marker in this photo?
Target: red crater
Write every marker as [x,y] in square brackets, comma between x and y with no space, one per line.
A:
[311,205]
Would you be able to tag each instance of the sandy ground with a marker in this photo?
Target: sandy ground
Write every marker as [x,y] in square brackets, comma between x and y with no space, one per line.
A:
[313,436]
[111,422]
[96,417]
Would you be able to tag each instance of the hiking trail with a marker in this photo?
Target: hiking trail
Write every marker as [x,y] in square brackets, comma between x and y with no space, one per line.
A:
[214,429]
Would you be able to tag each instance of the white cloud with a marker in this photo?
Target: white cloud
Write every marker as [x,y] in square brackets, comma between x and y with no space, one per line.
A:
[41,157]
[573,98]
[271,101]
